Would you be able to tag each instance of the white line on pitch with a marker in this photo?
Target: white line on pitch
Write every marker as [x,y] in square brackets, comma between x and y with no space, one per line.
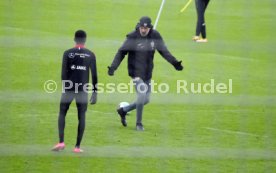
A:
[143,152]
[205,110]
[233,132]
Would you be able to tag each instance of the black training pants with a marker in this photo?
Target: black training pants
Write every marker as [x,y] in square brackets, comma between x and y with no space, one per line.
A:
[81,102]
[201,6]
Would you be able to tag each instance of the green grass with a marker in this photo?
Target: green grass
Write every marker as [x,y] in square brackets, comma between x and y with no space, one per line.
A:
[184,132]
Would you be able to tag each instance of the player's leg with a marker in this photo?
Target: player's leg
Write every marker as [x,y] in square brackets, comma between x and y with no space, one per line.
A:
[143,92]
[81,101]
[142,99]
[147,99]
[200,6]
[132,106]
[122,111]
[65,101]
[203,28]
[206,4]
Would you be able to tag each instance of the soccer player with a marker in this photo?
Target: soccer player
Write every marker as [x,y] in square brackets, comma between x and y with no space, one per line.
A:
[76,64]
[201,6]
[140,45]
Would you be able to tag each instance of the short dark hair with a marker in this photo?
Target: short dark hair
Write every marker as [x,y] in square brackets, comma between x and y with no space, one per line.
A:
[80,36]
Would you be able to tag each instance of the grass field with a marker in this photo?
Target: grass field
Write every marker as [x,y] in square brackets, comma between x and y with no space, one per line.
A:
[234,132]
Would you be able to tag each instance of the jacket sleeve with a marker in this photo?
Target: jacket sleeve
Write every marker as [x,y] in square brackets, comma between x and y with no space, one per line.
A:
[93,68]
[64,72]
[163,50]
[123,50]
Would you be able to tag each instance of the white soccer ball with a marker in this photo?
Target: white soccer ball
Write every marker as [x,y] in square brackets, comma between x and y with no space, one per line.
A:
[123,104]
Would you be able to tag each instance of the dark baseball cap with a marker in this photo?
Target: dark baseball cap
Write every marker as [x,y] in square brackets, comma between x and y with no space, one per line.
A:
[145,21]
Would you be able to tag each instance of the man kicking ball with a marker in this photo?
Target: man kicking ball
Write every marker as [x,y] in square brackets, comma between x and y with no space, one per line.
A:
[140,45]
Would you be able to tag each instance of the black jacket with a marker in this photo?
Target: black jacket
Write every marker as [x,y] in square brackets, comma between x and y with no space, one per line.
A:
[76,65]
[140,52]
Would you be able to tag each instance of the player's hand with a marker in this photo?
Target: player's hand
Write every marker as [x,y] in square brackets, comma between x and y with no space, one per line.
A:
[110,71]
[93,98]
[178,66]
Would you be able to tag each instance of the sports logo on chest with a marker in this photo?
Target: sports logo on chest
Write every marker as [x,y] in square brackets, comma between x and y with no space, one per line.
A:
[145,45]
[81,55]
[140,46]
[71,55]
[81,67]
[78,67]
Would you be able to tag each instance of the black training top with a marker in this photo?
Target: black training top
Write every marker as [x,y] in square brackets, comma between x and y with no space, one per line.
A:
[140,52]
[75,67]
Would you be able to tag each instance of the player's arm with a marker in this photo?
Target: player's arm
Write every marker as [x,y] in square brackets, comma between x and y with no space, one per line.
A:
[93,67]
[64,66]
[165,53]
[94,75]
[163,50]
[123,50]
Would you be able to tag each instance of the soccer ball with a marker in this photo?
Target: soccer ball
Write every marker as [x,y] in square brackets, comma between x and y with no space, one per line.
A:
[123,104]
